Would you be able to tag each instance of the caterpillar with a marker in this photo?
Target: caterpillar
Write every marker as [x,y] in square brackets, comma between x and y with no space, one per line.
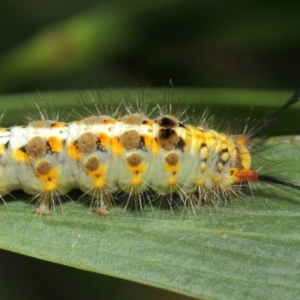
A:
[143,159]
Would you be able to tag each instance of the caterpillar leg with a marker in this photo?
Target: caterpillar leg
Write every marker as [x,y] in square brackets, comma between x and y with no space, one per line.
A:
[102,210]
[45,202]
[101,204]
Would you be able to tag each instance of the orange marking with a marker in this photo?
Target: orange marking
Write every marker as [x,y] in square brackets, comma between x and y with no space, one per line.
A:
[247,175]
[139,169]
[137,180]
[73,151]
[241,139]
[2,149]
[19,155]
[155,147]
[116,146]
[99,172]
[148,123]
[104,139]
[99,183]
[199,135]
[109,121]
[98,176]
[172,169]
[55,144]
[50,179]
[58,125]
[147,140]
[243,175]
[171,181]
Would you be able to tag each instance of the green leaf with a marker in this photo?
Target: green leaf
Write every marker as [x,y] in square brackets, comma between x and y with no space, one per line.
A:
[248,248]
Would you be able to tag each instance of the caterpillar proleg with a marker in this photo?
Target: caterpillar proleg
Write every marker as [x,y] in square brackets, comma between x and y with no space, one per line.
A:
[133,156]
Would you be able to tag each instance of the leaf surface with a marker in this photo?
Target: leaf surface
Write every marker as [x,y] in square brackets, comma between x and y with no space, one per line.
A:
[248,248]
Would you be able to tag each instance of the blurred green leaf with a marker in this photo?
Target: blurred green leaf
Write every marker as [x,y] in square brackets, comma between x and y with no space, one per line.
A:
[198,43]
[248,249]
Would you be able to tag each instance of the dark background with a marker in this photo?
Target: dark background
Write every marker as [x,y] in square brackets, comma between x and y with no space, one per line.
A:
[71,44]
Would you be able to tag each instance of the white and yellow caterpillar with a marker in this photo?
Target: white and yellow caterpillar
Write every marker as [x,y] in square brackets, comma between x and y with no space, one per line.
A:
[102,156]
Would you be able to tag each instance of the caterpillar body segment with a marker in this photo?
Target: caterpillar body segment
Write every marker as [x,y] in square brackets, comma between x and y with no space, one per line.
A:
[137,156]
[36,155]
